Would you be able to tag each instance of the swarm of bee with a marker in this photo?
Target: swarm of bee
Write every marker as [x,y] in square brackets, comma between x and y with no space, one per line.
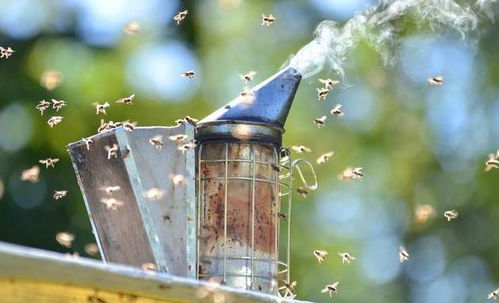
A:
[6,52]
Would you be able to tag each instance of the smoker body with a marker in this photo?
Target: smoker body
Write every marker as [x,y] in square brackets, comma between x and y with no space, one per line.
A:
[239,186]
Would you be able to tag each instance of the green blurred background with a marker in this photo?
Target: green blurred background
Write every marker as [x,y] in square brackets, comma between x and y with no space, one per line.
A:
[417,144]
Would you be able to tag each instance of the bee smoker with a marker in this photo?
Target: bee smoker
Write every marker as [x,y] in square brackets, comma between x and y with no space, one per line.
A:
[240,181]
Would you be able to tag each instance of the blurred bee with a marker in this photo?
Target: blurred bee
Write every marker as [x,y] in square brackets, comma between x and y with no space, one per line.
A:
[187,146]
[178,138]
[51,79]
[331,289]
[320,255]
[352,174]
[285,154]
[493,294]
[177,179]
[191,121]
[127,100]
[107,125]
[328,83]
[179,122]
[289,288]
[325,157]
[87,142]
[403,254]
[54,120]
[188,74]
[6,52]
[111,203]
[423,213]
[111,189]
[112,151]
[320,122]
[31,174]
[433,81]
[65,239]
[492,162]
[248,95]
[451,215]
[346,257]
[154,194]
[149,267]
[101,108]
[129,126]
[157,142]
[49,162]
[42,106]
[267,20]
[336,111]
[58,104]
[301,149]
[302,192]
[322,93]
[282,216]
[248,77]
[210,287]
[132,28]
[91,249]
[180,16]
[59,194]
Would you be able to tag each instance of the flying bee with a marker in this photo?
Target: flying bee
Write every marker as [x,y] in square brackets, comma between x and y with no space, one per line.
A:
[248,95]
[282,216]
[450,215]
[301,149]
[132,28]
[49,162]
[154,194]
[188,74]
[267,20]
[177,179]
[58,104]
[111,203]
[433,81]
[494,294]
[6,52]
[129,126]
[178,138]
[91,249]
[112,151]
[325,157]
[248,77]
[320,255]
[87,142]
[127,100]
[107,125]
[320,122]
[328,83]
[492,162]
[180,16]
[111,189]
[42,106]
[322,93]
[403,254]
[331,289]
[346,257]
[149,267]
[357,173]
[31,174]
[157,142]
[179,122]
[423,213]
[191,121]
[186,147]
[302,192]
[65,239]
[289,288]
[51,79]
[336,111]
[101,108]
[59,194]
[54,120]
[352,174]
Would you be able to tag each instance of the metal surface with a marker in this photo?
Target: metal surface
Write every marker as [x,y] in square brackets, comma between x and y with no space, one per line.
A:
[240,131]
[267,103]
[160,231]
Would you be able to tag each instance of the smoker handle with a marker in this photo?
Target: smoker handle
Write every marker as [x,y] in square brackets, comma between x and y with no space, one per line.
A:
[296,165]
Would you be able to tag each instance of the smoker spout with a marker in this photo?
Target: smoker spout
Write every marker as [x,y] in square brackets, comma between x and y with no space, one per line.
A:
[266,105]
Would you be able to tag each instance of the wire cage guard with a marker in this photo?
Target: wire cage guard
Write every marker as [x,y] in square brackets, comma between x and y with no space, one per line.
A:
[244,193]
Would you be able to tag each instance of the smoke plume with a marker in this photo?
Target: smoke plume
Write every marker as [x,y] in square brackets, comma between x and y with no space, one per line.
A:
[375,25]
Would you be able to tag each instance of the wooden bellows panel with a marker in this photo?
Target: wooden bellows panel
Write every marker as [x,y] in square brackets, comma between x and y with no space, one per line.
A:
[141,200]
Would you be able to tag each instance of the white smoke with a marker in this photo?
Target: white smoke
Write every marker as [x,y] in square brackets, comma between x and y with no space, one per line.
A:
[375,26]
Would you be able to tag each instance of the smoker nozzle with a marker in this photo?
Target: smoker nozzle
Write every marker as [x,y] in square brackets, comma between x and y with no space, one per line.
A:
[266,107]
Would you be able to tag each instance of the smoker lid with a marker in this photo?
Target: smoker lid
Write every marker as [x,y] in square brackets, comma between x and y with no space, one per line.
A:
[270,102]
